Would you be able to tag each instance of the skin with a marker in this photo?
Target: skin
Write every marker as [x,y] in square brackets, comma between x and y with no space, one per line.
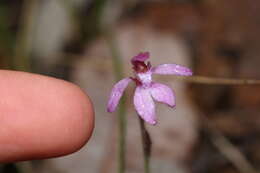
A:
[41,117]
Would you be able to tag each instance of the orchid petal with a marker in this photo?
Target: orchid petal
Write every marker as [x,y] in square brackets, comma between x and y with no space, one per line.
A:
[172,69]
[162,93]
[144,105]
[141,57]
[117,93]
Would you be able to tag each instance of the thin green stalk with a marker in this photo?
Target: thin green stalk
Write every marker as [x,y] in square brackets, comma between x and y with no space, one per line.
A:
[122,136]
[118,71]
[21,58]
[147,145]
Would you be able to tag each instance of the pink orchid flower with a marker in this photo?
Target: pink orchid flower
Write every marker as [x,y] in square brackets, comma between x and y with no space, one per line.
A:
[146,90]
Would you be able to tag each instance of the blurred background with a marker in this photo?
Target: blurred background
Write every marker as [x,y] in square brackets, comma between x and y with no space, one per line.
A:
[213,129]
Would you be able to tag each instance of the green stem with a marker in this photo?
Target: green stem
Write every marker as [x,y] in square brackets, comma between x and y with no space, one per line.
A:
[147,145]
[118,71]
[122,136]
[21,59]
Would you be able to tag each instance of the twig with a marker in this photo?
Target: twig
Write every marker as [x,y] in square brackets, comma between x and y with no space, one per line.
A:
[218,81]
[147,145]
[230,151]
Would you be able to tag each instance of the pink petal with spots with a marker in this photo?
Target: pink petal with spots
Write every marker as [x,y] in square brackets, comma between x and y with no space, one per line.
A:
[144,105]
[141,57]
[117,93]
[172,69]
[162,93]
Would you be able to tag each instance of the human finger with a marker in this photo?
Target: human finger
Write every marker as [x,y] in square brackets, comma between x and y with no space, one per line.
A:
[41,117]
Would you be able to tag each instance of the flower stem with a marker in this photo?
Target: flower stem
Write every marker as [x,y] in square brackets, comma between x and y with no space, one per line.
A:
[147,145]
[122,136]
[118,71]
[219,81]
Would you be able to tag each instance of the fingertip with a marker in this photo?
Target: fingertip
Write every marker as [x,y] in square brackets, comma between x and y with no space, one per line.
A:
[42,117]
[83,124]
